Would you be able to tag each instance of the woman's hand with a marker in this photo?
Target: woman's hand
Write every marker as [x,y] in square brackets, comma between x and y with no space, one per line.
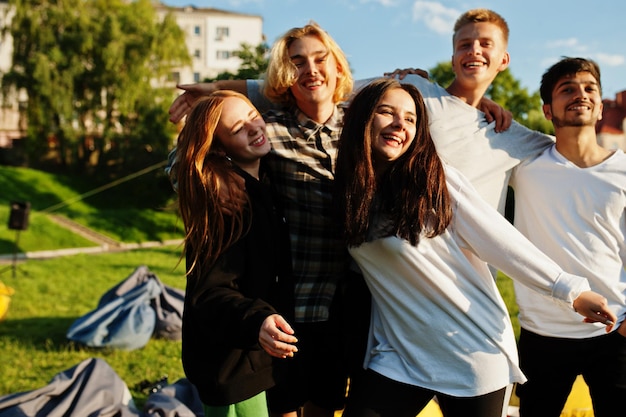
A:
[595,309]
[276,337]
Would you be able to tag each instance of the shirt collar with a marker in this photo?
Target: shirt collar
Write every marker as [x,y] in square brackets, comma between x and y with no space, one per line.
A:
[334,123]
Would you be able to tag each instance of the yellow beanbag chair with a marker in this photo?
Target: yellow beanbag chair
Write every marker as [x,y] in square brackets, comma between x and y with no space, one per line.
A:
[5,299]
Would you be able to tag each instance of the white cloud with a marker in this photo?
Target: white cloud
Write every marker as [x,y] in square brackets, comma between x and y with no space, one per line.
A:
[549,61]
[239,3]
[609,60]
[435,16]
[572,45]
[384,3]
[560,43]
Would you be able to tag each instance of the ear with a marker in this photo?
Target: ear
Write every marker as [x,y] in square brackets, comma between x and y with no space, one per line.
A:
[601,110]
[339,71]
[547,111]
[452,62]
[506,60]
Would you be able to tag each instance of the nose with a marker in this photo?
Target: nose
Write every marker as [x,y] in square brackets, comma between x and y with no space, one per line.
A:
[252,128]
[399,122]
[310,67]
[474,48]
[582,93]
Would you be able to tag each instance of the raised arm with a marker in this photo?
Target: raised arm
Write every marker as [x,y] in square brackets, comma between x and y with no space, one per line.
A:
[494,240]
[191,92]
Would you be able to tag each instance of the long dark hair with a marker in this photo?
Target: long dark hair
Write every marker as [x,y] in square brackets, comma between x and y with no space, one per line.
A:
[412,192]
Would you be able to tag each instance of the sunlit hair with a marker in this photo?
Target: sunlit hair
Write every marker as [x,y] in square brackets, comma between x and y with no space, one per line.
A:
[479,16]
[282,73]
[412,192]
[564,68]
[211,195]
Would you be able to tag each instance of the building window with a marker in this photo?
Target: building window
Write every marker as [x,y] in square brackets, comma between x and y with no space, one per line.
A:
[196,77]
[175,77]
[221,32]
[223,54]
[196,30]
[196,54]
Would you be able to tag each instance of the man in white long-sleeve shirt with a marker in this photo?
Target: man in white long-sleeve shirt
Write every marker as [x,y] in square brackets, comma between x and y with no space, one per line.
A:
[571,203]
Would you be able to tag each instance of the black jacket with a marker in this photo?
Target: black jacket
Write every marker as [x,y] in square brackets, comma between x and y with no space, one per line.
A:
[225,307]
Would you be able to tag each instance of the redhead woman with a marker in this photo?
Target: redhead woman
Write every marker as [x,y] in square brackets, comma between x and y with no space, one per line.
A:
[239,295]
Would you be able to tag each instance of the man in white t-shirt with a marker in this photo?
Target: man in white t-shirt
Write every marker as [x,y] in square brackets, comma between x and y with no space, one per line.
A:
[571,203]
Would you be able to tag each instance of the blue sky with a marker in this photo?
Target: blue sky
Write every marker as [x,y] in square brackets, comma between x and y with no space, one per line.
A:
[382,35]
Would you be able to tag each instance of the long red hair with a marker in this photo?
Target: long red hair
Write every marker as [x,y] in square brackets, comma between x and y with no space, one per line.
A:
[211,196]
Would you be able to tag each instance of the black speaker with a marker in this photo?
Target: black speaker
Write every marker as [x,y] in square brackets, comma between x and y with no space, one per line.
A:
[18,219]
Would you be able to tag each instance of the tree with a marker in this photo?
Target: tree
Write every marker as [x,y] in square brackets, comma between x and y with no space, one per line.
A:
[90,69]
[254,62]
[507,92]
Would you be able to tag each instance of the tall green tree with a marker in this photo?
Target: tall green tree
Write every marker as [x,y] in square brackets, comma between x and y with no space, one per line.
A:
[91,70]
[42,33]
[507,91]
[254,61]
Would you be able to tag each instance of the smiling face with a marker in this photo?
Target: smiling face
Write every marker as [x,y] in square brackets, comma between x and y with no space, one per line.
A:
[479,54]
[576,101]
[393,127]
[241,132]
[317,72]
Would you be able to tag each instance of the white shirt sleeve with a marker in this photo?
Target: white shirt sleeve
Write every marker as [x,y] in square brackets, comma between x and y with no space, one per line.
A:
[493,239]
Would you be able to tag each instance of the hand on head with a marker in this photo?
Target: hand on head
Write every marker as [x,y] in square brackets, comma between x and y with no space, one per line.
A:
[184,102]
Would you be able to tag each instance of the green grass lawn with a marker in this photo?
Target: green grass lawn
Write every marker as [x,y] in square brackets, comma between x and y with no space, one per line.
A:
[62,195]
[51,294]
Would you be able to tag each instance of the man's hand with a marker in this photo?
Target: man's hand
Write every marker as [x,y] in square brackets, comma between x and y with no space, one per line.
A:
[401,73]
[192,92]
[183,103]
[494,111]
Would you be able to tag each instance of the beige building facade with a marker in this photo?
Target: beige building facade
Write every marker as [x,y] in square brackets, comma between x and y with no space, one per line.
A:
[213,36]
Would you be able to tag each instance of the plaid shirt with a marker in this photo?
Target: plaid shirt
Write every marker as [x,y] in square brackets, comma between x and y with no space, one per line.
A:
[302,164]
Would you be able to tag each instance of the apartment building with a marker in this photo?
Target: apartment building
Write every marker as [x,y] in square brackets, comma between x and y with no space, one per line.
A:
[611,130]
[212,37]
[10,124]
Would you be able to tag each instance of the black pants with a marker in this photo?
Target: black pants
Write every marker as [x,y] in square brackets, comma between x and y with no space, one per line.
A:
[552,365]
[317,373]
[373,395]
[355,302]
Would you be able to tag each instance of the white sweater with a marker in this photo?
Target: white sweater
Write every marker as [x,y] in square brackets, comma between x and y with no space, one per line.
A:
[438,319]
